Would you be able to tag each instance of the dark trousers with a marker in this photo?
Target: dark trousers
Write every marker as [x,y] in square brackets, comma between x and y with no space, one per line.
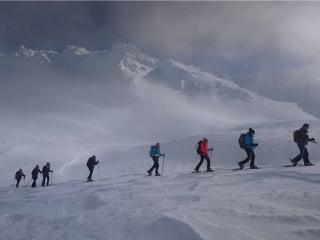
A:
[250,157]
[204,157]
[303,154]
[18,181]
[90,174]
[34,183]
[155,165]
[45,177]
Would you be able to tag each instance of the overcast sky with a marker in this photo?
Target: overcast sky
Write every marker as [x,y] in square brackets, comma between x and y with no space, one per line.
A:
[270,47]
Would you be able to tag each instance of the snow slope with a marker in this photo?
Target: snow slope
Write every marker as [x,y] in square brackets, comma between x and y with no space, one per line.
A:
[265,204]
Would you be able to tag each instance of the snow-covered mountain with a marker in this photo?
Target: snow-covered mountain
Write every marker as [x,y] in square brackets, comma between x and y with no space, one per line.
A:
[64,106]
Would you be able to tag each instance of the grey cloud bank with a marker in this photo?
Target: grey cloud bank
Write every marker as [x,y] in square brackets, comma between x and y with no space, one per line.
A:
[258,45]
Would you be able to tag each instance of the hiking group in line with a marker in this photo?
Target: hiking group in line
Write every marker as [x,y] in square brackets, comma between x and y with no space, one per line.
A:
[246,142]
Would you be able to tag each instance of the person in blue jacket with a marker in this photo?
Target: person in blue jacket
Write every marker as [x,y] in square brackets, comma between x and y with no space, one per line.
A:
[249,147]
[155,153]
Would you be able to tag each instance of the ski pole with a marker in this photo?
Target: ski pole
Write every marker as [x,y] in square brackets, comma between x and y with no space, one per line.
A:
[162,163]
[51,178]
[211,150]
[99,175]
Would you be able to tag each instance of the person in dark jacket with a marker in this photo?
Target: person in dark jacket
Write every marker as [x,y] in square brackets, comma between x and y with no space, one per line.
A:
[301,137]
[204,155]
[34,174]
[249,147]
[155,153]
[18,176]
[90,164]
[45,174]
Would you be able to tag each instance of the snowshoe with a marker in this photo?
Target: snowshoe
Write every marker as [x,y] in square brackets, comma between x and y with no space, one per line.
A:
[294,163]
[149,173]
[196,171]
[308,164]
[157,174]
[254,167]
[241,166]
[209,170]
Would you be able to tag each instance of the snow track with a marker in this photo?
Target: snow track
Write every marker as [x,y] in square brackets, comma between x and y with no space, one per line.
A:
[270,203]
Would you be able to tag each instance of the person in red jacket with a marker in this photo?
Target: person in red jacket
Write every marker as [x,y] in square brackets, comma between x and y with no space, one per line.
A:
[203,152]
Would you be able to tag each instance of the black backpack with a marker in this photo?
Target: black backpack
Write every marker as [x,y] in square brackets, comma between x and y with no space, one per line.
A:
[198,147]
[296,136]
[241,140]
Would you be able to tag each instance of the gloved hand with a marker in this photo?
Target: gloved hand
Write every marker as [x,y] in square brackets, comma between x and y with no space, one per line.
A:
[255,144]
[312,140]
[97,162]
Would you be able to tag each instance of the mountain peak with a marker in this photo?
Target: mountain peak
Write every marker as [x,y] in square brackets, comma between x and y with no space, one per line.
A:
[74,50]
[26,52]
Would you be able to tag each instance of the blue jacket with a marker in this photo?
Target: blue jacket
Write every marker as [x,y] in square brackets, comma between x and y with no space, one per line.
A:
[248,142]
[154,151]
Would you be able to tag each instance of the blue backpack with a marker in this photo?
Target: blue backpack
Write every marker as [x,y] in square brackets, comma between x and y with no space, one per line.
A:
[151,151]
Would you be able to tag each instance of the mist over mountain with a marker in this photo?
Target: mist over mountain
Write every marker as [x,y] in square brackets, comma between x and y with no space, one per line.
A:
[63,106]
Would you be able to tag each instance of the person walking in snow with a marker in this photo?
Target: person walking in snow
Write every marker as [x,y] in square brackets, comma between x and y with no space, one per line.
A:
[90,164]
[203,152]
[18,176]
[247,143]
[155,153]
[45,174]
[34,174]
[301,138]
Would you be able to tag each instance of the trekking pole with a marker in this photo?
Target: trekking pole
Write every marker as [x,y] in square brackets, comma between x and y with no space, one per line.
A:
[12,183]
[164,155]
[99,175]
[28,182]
[211,150]
[51,178]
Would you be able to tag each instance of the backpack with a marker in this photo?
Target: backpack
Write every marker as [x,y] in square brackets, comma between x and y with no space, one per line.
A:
[90,162]
[241,140]
[296,136]
[151,151]
[17,175]
[198,147]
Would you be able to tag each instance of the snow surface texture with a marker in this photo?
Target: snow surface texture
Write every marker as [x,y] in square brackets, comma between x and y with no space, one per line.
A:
[270,203]
[65,107]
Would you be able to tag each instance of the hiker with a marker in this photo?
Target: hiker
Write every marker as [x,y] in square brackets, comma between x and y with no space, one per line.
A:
[155,153]
[45,174]
[246,142]
[18,176]
[90,164]
[202,150]
[301,138]
[34,173]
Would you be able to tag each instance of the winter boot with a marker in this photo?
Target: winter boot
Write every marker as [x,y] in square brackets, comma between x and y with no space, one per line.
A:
[209,170]
[158,174]
[240,165]
[149,173]
[254,167]
[309,164]
[294,163]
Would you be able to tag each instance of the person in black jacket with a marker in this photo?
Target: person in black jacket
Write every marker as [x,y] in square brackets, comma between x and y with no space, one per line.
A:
[34,174]
[90,164]
[301,138]
[18,176]
[45,174]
